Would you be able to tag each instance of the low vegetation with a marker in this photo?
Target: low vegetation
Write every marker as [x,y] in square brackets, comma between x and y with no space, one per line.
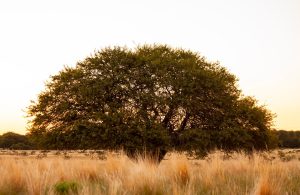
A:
[98,172]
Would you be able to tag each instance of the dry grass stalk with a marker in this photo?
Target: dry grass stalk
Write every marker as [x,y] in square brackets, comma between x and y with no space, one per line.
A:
[237,174]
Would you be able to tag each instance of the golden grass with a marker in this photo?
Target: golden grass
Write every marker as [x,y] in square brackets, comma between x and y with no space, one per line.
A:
[79,173]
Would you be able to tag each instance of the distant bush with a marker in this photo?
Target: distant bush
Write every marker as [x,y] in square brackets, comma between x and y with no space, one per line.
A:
[289,139]
[15,141]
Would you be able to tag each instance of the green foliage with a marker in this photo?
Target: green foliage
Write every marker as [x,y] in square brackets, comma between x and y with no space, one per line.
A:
[152,98]
[66,187]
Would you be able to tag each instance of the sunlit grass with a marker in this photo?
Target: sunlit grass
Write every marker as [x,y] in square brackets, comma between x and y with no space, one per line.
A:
[86,172]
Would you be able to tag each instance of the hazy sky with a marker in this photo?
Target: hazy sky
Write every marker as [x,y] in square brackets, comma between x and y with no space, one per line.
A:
[257,40]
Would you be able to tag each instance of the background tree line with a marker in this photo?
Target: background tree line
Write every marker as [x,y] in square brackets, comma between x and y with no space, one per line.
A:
[289,139]
[11,140]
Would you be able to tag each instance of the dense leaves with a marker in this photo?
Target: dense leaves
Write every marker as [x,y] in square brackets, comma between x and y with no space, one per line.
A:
[153,98]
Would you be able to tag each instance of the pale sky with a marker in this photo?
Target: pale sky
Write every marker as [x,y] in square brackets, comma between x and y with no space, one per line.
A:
[257,40]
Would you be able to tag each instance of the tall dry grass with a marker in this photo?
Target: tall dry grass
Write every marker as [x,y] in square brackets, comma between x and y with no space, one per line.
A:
[260,174]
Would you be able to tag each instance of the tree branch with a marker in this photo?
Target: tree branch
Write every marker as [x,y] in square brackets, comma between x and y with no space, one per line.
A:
[184,122]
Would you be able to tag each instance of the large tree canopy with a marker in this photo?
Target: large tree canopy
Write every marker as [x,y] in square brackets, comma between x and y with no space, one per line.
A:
[149,98]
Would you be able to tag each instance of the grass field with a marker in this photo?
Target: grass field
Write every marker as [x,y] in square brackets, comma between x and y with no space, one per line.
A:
[94,172]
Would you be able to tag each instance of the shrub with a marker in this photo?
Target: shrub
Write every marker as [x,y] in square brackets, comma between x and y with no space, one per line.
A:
[66,187]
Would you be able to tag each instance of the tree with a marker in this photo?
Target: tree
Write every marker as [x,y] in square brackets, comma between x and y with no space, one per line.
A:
[152,98]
